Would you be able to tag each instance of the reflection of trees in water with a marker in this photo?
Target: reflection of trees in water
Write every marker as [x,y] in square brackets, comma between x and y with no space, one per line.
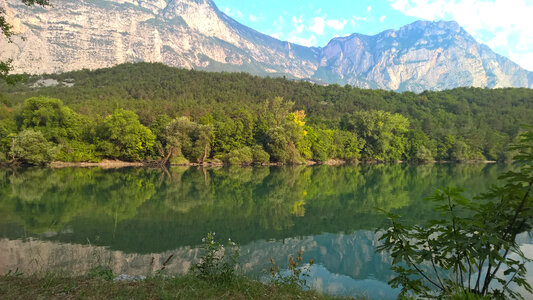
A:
[144,210]
[47,199]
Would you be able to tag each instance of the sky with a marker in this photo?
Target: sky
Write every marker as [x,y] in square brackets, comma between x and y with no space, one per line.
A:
[504,25]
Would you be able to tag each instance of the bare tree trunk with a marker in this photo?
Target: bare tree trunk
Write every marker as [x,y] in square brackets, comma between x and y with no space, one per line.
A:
[205,152]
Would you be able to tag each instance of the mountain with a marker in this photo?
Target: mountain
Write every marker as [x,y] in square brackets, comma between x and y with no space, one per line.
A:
[196,34]
[422,55]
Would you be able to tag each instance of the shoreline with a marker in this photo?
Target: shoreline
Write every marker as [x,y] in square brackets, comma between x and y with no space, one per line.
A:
[115,164]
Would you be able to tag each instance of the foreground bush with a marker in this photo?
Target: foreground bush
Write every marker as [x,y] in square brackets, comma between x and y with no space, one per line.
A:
[472,248]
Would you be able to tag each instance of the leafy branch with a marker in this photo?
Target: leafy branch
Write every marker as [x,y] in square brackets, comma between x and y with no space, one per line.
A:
[463,251]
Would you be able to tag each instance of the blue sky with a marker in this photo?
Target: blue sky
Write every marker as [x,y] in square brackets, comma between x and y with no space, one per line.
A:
[505,25]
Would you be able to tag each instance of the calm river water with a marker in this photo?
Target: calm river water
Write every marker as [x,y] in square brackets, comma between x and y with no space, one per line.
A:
[133,219]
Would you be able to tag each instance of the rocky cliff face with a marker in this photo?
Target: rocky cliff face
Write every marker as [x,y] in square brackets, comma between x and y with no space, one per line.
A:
[186,33]
[422,55]
[195,34]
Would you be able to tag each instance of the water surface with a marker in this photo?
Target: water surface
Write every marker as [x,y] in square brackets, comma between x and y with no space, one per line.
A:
[133,218]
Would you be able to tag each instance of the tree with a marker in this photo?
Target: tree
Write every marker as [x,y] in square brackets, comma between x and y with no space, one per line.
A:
[473,245]
[125,137]
[384,133]
[6,28]
[189,139]
[55,120]
[31,147]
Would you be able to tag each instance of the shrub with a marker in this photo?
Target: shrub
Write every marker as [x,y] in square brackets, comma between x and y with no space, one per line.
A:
[102,272]
[259,155]
[31,147]
[242,156]
[180,160]
[78,152]
[296,277]
[218,262]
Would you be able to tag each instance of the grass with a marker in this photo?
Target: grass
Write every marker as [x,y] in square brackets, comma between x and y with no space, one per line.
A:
[53,286]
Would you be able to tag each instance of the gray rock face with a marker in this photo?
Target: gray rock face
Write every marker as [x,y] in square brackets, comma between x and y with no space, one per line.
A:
[94,34]
[419,56]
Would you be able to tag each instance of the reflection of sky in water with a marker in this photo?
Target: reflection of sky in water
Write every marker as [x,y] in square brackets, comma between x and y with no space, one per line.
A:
[132,215]
[340,285]
[526,242]
[329,282]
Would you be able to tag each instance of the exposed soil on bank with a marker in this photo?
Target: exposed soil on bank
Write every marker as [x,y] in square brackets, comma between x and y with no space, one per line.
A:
[114,164]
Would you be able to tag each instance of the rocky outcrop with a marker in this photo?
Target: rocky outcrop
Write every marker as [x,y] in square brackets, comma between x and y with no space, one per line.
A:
[419,56]
[191,34]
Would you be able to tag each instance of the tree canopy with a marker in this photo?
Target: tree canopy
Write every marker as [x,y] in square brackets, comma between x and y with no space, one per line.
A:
[148,111]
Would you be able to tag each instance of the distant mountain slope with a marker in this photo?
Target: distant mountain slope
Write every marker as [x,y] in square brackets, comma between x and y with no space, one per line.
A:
[419,56]
[196,34]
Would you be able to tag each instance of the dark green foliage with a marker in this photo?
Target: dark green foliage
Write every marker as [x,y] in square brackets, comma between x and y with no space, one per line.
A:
[463,251]
[240,111]
[31,147]
[384,133]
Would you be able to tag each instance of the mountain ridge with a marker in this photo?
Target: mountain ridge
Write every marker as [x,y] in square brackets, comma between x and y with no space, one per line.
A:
[195,34]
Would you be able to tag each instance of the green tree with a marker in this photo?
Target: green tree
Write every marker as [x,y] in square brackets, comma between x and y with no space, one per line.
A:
[189,139]
[384,133]
[8,127]
[347,145]
[55,120]
[125,137]
[31,147]
[420,146]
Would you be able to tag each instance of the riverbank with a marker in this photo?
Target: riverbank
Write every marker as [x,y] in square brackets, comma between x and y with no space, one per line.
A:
[112,164]
[52,286]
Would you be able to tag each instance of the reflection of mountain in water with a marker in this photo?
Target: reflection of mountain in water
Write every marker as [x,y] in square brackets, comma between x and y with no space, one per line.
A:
[143,210]
[48,217]
[343,260]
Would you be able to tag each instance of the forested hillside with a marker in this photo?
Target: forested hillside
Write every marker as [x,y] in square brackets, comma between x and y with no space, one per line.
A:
[148,111]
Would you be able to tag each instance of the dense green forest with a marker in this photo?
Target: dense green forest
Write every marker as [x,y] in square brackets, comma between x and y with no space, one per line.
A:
[142,111]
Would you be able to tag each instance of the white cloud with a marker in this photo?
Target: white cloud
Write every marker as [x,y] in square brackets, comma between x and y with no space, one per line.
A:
[318,25]
[297,23]
[233,13]
[368,9]
[310,41]
[277,35]
[254,18]
[336,24]
[525,59]
[359,19]
[278,23]
[509,21]
[382,18]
